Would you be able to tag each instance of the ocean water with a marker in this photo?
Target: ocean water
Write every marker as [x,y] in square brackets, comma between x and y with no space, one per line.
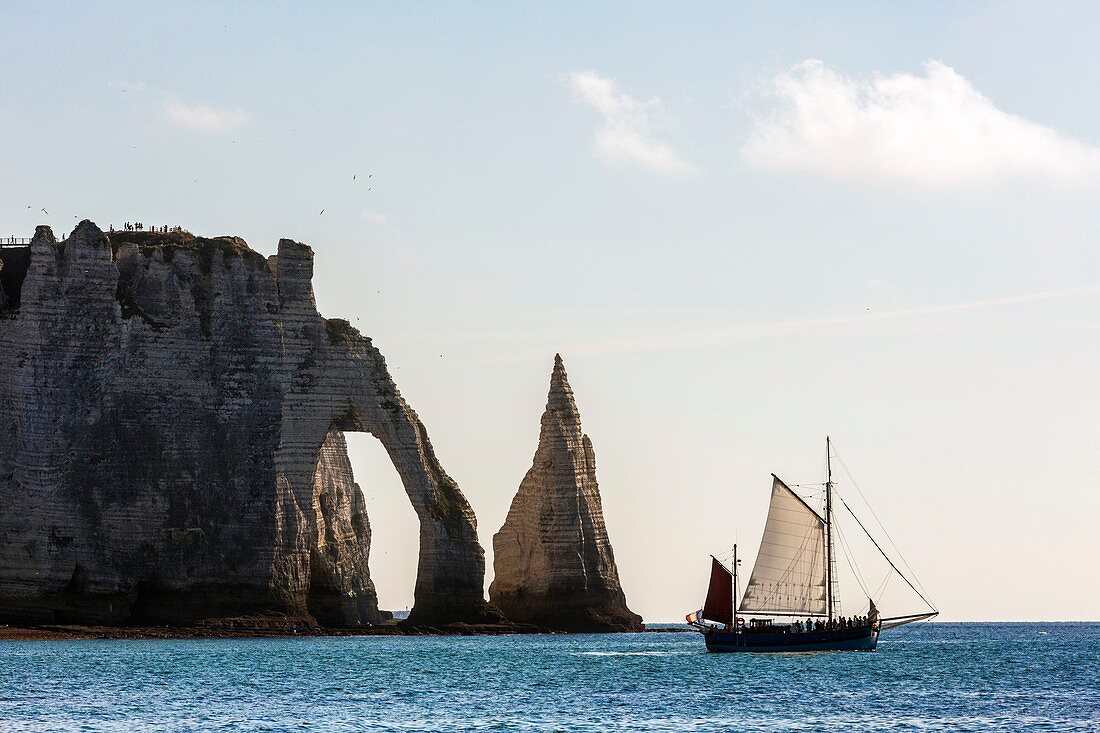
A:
[929,677]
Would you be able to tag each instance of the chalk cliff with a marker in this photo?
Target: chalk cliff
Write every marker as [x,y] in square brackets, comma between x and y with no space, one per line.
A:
[553,559]
[172,411]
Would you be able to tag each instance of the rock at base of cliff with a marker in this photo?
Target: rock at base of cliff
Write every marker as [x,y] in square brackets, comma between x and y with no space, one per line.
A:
[555,613]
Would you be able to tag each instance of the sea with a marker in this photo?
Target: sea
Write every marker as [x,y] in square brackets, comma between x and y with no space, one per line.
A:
[924,677]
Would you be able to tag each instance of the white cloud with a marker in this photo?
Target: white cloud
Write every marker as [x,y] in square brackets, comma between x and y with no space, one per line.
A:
[376,217]
[201,118]
[625,134]
[933,130]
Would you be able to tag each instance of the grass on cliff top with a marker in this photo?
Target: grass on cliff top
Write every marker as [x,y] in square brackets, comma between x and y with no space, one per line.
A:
[206,247]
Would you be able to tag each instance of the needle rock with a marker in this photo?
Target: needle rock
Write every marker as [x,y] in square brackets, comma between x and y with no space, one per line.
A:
[553,559]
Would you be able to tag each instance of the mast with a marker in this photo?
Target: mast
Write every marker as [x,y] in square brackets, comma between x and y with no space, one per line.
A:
[733,600]
[829,528]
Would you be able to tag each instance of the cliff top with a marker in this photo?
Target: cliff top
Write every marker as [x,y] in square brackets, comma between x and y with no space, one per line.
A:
[181,239]
[167,241]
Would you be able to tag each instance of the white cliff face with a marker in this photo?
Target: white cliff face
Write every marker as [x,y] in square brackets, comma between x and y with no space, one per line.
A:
[171,417]
[553,561]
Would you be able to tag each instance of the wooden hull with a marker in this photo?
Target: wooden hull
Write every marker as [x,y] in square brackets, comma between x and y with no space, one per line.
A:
[863,639]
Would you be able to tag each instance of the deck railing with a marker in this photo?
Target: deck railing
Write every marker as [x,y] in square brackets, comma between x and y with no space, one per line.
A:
[21,241]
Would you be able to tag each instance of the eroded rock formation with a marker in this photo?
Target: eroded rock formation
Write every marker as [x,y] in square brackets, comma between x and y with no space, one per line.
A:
[339,555]
[553,559]
[171,410]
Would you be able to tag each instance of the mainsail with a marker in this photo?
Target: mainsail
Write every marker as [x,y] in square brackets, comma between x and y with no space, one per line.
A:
[789,573]
[719,603]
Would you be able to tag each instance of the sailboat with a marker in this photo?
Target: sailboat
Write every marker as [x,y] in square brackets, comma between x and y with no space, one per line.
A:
[791,601]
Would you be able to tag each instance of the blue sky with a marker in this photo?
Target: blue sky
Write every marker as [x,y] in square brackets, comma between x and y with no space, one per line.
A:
[743,228]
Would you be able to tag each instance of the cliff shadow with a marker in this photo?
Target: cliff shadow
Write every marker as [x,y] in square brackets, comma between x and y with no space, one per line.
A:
[14,262]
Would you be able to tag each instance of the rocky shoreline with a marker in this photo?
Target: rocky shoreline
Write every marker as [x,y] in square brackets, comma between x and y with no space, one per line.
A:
[273,628]
[257,627]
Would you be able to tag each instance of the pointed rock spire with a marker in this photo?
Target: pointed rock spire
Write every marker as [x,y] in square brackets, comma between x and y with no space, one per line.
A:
[553,559]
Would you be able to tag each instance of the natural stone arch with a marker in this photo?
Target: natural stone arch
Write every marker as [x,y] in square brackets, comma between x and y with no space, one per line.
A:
[343,384]
[168,402]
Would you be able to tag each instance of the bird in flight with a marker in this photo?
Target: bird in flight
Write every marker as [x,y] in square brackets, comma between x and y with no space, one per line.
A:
[45,212]
[322,211]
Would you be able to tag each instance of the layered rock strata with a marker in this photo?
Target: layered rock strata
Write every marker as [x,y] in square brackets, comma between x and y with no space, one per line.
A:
[171,418]
[553,560]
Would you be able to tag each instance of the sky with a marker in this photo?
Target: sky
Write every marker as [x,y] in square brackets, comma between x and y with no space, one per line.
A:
[743,227]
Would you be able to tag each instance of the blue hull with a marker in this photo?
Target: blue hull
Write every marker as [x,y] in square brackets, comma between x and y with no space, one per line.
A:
[842,640]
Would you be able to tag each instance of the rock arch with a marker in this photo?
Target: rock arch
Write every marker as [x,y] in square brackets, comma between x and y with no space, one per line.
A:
[174,406]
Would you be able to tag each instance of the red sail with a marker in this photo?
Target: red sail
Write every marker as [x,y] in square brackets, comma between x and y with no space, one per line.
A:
[719,605]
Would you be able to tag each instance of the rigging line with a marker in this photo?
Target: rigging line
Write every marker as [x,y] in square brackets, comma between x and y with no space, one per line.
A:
[846,550]
[881,587]
[887,557]
[884,531]
[880,524]
[881,591]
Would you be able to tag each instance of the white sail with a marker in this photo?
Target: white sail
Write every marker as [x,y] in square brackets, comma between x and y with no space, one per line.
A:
[789,573]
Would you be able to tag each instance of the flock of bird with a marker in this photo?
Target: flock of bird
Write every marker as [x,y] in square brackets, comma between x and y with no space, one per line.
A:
[354,176]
